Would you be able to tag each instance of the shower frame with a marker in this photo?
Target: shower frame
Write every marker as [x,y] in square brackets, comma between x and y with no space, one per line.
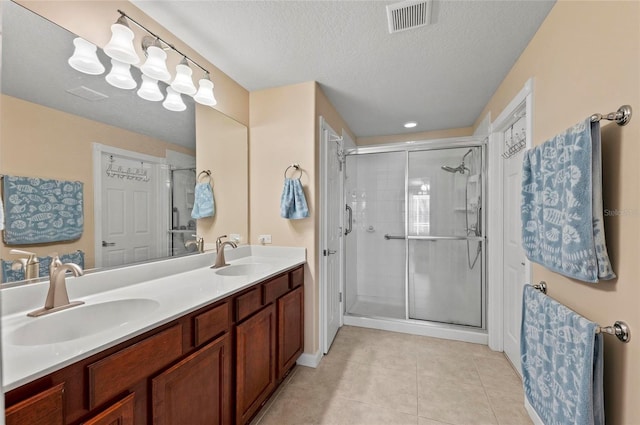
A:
[416,326]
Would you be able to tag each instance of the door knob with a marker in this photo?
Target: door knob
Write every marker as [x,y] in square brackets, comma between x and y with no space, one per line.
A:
[105,243]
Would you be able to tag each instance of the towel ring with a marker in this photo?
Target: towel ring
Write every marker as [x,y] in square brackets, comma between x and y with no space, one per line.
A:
[207,173]
[297,168]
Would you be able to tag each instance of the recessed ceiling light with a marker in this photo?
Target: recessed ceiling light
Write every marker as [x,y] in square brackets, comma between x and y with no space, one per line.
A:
[410,124]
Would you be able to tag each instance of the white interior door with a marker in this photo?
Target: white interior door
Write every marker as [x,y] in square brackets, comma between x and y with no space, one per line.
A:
[515,265]
[332,234]
[130,230]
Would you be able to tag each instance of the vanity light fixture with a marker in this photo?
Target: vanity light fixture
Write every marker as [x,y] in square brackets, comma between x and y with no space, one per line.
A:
[120,75]
[123,54]
[205,96]
[84,58]
[149,89]
[120,47]
[156,64]
[410,124]
[174,102]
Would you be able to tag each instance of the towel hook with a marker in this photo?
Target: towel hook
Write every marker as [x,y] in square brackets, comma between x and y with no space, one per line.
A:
[207,173]
[296,167]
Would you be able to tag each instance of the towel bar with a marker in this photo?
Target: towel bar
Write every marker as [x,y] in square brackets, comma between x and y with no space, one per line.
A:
[622,116]
[620,329]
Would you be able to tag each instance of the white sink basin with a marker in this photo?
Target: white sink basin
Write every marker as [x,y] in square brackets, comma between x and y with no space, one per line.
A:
[81,321]
[244,269]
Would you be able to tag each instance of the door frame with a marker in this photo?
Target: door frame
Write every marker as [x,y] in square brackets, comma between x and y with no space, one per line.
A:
[496,284]
[160,165]
[325,138]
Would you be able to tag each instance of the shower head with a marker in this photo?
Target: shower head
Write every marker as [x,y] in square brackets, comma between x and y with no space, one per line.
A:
[450,169]
[460,168]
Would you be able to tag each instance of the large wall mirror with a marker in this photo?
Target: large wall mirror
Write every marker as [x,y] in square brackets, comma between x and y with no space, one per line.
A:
[135,159]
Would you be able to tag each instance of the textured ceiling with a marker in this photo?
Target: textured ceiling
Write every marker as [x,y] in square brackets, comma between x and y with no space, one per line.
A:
[441,75]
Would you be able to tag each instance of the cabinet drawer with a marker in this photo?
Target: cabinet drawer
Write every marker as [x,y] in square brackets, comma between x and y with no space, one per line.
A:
[248,303]
[297,277]
[211,324]
[44,408]
[274,288]
[118,372]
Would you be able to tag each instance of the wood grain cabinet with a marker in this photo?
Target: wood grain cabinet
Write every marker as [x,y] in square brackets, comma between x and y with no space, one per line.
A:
[197,390]
[255,362]
[44,408]
[215,365]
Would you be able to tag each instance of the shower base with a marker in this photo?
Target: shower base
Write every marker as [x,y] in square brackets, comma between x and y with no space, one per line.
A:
[378,306]
[416,327]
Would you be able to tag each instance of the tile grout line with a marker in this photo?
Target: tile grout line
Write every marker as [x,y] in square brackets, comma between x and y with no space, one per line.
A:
[486,394]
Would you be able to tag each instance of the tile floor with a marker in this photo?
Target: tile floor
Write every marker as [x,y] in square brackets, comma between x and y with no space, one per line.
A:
[376,377]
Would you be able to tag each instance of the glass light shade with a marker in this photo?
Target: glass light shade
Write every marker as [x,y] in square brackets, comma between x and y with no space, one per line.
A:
[183,83]
[120,47]
[84,57]
[149,89]
[174,102]
[156,64]
[120,75]
[205,93]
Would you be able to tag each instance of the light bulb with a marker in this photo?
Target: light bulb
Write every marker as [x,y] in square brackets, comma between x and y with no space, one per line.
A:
[149,89]
[120,75]
[174,102]
[84,57]
[183,83]
[120,47]
[205,96]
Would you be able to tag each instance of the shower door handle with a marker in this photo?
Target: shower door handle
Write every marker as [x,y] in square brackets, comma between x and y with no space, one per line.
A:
[350,221]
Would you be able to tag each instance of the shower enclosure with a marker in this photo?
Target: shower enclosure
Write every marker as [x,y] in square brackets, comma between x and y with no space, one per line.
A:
[415,254]
[182,182]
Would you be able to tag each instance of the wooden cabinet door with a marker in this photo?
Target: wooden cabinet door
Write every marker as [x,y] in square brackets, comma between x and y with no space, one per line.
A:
[256,362]
[290,330]
[197,390]
[45,408]
[120,413]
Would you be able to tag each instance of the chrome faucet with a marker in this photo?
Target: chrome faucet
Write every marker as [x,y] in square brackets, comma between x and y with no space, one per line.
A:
[57,297]
[220,260]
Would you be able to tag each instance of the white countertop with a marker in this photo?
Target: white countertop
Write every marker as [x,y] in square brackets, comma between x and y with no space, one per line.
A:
[178,285]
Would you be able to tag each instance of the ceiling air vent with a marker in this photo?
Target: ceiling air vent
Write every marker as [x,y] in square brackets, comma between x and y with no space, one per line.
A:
[407,15]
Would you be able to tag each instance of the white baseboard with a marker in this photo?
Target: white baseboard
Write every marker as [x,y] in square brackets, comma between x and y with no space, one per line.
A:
[310,360]
[532,413]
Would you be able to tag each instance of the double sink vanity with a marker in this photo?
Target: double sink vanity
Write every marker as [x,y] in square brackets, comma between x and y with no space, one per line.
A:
[168,342]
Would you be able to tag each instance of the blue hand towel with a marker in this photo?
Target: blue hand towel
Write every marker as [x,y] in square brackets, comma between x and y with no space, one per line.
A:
[203,205]
[562,214]
[562,362]
[293,204]
[42,210]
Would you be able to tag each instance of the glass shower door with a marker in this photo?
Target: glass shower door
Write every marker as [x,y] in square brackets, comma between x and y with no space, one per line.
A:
[444,236]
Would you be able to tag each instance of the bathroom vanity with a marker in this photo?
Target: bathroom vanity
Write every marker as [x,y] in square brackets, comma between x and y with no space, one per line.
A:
[210,347]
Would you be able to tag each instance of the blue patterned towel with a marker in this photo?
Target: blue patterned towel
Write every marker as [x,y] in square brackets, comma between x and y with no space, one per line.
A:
[204,204]
[293,204]
[562,213]
[562,362]
[9,275]
[42,210]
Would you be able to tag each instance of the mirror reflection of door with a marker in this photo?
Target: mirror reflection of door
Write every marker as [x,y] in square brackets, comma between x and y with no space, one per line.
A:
[130,225]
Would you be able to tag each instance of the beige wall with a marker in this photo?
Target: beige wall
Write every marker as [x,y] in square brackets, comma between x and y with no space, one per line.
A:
[585,58]
[42,142]
[92,19]
[424,135]
[282,132]
[222,147]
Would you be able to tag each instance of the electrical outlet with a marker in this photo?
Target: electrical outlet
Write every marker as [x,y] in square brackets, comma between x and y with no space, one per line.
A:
[264,239]
[235,237]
